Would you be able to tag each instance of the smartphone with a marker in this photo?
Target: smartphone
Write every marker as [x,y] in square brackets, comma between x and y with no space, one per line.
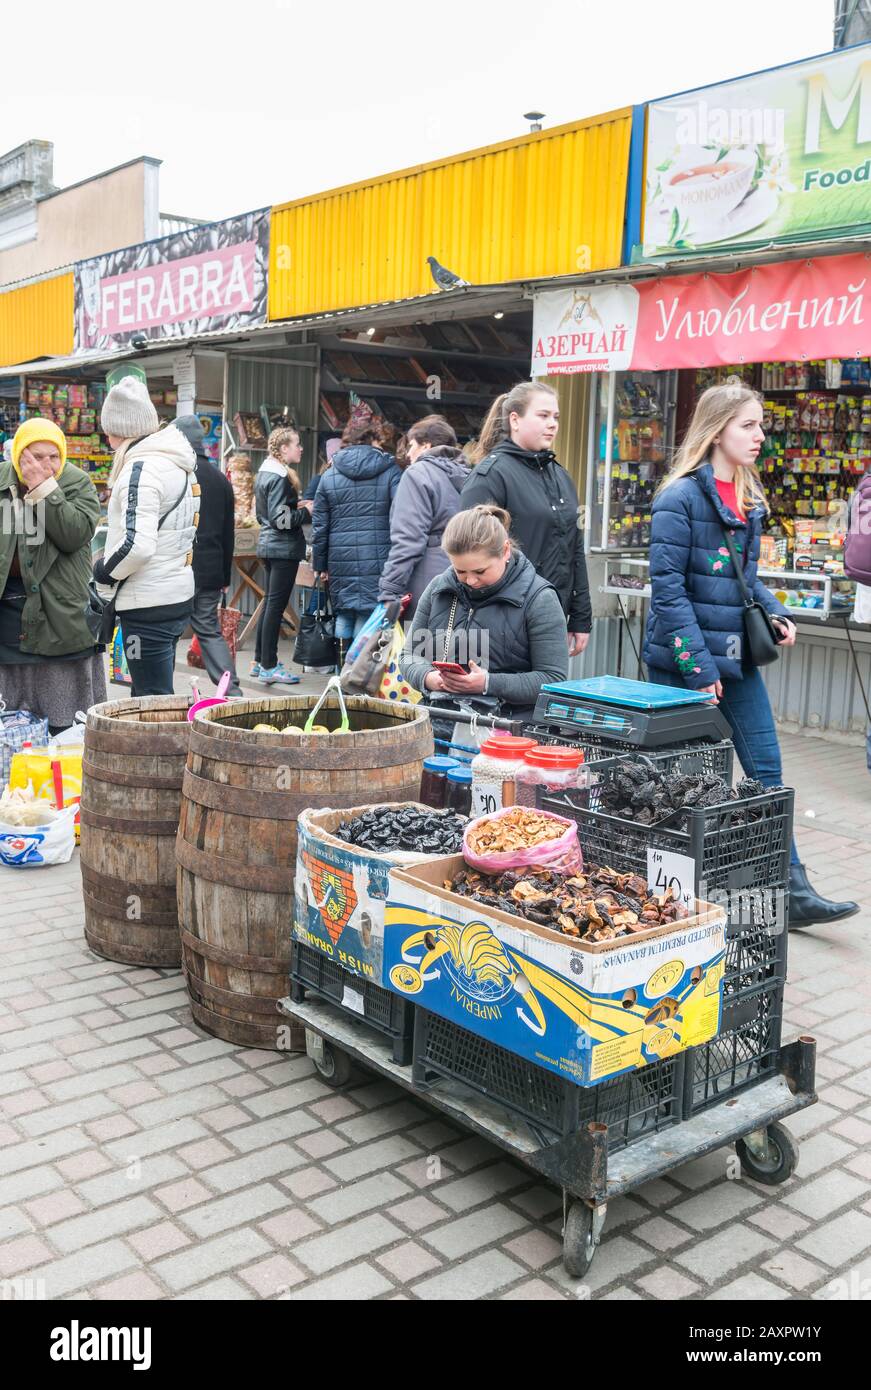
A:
[451,668]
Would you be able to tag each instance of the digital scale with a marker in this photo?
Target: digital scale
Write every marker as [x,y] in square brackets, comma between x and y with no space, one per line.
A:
[613,713]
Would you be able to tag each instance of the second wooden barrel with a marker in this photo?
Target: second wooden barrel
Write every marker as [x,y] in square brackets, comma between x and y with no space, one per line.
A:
[134,758]
[236,844]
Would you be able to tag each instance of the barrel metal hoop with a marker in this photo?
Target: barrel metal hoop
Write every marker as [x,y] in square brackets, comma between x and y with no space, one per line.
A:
[214,868]
[113,887]
[345,756]
[244,1003]
[244,801]
[113,912]
[130,779]
[144,745]
[267,965]
[127,955]
[168,829]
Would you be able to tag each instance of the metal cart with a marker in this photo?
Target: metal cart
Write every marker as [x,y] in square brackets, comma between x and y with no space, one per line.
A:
[579,1163]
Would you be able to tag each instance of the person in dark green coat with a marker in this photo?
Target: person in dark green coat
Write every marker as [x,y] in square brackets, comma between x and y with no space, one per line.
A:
[48,515]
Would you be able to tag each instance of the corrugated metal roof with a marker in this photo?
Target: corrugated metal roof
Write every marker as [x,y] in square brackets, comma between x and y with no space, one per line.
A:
[37,318]
[543,204]
[480,299]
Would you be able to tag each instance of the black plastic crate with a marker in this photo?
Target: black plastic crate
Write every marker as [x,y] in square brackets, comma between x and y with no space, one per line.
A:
[731,850]
[313,972]
[700,760]
[633,1105]
[744,1053]
[597,743]
[755,942]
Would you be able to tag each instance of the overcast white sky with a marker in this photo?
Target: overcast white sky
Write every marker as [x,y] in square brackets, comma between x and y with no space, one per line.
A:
[250,102]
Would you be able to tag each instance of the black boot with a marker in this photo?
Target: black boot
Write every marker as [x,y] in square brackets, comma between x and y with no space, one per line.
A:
[807,908]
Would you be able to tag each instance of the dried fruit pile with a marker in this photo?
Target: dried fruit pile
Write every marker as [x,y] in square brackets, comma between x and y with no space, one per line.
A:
[637,790]
[596,905]
[517,830]
[422,832]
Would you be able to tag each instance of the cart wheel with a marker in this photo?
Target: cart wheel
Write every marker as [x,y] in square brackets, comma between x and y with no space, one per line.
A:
[775,1166]
[580,1239]
[334,1066]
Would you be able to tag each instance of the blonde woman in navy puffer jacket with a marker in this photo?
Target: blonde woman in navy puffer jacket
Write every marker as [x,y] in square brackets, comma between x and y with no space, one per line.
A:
[695,631]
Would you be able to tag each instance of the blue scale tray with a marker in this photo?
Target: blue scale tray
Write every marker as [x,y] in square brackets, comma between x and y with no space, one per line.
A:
[614,690]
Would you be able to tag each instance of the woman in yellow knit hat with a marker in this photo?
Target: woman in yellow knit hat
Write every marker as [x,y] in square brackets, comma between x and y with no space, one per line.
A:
[48,515]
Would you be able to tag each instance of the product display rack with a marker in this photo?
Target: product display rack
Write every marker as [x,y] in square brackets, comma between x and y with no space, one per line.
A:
[807,593]
[632,434]
[452,369]
[817,420]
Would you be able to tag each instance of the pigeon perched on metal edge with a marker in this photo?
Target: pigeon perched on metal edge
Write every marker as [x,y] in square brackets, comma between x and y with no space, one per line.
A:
[445,279]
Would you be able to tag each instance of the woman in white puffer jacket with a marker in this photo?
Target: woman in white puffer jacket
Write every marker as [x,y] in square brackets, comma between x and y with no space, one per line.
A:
[152,523]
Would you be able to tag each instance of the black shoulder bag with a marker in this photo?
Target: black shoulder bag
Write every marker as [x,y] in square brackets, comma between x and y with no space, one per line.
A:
[100,613]
[760,634]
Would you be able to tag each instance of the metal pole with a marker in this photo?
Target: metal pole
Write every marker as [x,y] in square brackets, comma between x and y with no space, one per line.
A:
[609,450]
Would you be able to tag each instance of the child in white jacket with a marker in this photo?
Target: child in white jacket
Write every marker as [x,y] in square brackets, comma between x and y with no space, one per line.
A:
[152,522]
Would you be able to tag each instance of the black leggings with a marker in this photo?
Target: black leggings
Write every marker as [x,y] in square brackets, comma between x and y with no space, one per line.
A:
[280,579]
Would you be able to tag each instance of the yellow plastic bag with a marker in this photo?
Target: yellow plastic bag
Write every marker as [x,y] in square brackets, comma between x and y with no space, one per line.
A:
[35,765]
[393,687]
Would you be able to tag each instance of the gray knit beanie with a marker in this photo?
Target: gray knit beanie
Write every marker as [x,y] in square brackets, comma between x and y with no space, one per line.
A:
[128,412]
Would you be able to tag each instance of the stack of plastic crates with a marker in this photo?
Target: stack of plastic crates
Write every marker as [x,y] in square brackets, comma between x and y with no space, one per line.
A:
[741,851]
[632,1105]
[311,972]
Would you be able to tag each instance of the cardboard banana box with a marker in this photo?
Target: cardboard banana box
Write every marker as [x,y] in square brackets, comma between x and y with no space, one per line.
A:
[584,1011]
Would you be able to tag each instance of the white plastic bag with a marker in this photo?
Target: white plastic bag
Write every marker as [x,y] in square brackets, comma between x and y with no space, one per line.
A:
[31,847]
[73,737]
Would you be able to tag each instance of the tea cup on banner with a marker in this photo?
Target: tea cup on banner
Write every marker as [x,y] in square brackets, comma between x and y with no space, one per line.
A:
[704,190]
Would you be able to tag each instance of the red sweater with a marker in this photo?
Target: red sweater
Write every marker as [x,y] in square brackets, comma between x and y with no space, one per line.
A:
[728,497]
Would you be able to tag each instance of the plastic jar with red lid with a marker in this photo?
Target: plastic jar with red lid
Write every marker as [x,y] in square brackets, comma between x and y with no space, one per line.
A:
[494,773]
[552,767]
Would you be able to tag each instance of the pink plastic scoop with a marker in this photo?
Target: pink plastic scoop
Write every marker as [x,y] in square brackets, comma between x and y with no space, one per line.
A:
[219,697]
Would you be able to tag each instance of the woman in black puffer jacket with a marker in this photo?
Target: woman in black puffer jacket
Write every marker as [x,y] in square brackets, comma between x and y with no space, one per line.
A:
[351,524]
[280,548]
[516,468]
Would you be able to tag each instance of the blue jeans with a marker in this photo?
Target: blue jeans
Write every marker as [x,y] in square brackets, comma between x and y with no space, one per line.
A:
[746,706]
[349,621]
[149,646]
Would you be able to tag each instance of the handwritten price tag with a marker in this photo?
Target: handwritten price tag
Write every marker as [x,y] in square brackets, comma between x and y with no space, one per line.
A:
[676,871]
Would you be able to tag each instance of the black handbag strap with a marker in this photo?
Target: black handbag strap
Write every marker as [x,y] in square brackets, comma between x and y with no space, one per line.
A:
[738,566]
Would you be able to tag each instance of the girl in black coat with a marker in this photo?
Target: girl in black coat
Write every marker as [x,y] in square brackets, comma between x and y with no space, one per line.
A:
[516,468]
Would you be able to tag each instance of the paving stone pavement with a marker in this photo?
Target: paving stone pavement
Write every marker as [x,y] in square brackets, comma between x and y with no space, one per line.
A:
[142,1159]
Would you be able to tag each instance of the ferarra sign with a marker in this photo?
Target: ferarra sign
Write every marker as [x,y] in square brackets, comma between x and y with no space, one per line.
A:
[783,155]
[195,281]
[775,313]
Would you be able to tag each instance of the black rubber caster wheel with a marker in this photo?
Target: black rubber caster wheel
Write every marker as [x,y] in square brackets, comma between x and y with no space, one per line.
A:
[580,1240]
[334,1066]
[777,1165]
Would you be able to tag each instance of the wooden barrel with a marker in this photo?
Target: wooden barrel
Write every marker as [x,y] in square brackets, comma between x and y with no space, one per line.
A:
[133,765]
[236,845]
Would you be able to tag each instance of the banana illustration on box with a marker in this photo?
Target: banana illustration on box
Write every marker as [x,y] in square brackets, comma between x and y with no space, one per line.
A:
[464,971]
[477,963]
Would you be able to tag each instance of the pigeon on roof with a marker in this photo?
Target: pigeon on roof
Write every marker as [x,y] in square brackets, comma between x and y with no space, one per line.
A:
[444,278]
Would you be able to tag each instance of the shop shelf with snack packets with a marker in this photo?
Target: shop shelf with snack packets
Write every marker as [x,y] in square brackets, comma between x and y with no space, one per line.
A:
[594,1162]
